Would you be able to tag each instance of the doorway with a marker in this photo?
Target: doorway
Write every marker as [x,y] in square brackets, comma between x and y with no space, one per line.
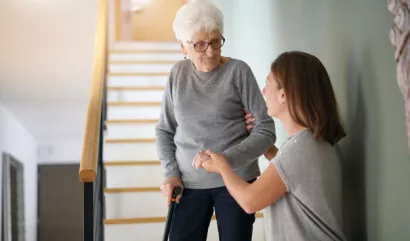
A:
[13,227]
[60,203]
[151,21]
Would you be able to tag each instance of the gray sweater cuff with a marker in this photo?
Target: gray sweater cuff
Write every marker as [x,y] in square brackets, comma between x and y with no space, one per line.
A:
[172,173]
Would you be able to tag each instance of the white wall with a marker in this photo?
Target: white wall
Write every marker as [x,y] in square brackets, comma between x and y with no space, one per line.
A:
[18,142]
[352,39]
[60,150]
[46,56]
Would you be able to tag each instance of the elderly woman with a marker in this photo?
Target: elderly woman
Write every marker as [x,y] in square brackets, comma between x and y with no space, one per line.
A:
[203,108]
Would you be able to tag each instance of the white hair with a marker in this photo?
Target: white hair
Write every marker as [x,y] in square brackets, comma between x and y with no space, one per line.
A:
[197,16]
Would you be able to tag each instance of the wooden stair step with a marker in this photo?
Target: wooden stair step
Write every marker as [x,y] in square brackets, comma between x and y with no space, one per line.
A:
[143,62]
[145,51]
[132,189]
[131,163]
[138,73]
[135,220]
[137,140]
[134,88]
[129,103]
[132,121]
[151,220]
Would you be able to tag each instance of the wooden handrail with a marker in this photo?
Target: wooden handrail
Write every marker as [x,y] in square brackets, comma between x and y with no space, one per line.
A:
[89,161]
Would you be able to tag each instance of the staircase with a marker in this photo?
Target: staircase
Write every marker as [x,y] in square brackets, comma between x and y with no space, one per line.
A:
[135,208]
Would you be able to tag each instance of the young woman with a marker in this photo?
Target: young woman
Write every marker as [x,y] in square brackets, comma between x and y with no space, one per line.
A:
[301,188]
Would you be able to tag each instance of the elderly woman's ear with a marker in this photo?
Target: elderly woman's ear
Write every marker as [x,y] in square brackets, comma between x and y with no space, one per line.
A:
[183,50]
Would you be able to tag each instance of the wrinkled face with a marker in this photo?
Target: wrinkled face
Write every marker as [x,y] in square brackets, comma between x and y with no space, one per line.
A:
[204,50]
[275,97]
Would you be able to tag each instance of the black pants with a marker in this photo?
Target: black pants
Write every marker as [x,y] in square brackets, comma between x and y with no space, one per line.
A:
[193,214]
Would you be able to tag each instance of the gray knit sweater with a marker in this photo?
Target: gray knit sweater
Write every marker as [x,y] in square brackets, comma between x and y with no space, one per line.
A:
[205,110]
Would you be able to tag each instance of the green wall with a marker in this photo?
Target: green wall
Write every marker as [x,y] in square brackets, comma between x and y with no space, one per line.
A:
[351,38]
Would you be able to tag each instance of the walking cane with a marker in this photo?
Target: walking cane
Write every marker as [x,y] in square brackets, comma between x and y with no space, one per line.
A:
[177,190]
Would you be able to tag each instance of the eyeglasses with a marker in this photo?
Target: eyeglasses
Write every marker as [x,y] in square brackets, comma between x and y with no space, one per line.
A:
[215,43]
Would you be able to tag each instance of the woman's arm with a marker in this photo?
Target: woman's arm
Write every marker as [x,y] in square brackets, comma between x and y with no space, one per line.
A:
[165,131]
[267,189]
[263,134]
[249,120]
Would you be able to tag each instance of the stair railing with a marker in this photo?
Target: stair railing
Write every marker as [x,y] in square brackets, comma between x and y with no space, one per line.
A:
[91,172]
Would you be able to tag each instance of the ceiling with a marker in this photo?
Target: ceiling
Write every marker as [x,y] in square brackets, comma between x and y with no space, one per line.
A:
[46,49]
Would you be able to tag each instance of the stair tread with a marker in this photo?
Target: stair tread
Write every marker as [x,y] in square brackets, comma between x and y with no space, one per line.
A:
[131,121]
[143,61]
[138,73]
[151,219]
[122,88]
[132,163]
[145,51]
[134,103]
[129,140]
[131,189]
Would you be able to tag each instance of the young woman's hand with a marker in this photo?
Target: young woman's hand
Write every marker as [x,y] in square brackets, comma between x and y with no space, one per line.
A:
[271,153]
[211,161]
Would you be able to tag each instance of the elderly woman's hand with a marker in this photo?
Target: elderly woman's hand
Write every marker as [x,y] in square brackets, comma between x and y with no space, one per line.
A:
[250,124]
[211,161]
[249,121]
[168,186]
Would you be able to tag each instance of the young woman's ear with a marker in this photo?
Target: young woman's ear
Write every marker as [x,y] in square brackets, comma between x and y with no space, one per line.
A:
[282,97]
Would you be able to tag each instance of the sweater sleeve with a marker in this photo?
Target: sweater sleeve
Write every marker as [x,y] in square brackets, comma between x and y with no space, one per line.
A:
[165,132]
[263,135]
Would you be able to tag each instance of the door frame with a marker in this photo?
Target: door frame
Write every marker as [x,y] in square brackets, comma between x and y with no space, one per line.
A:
[7,161]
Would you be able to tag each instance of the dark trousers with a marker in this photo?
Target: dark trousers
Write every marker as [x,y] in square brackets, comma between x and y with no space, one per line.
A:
[193,214]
